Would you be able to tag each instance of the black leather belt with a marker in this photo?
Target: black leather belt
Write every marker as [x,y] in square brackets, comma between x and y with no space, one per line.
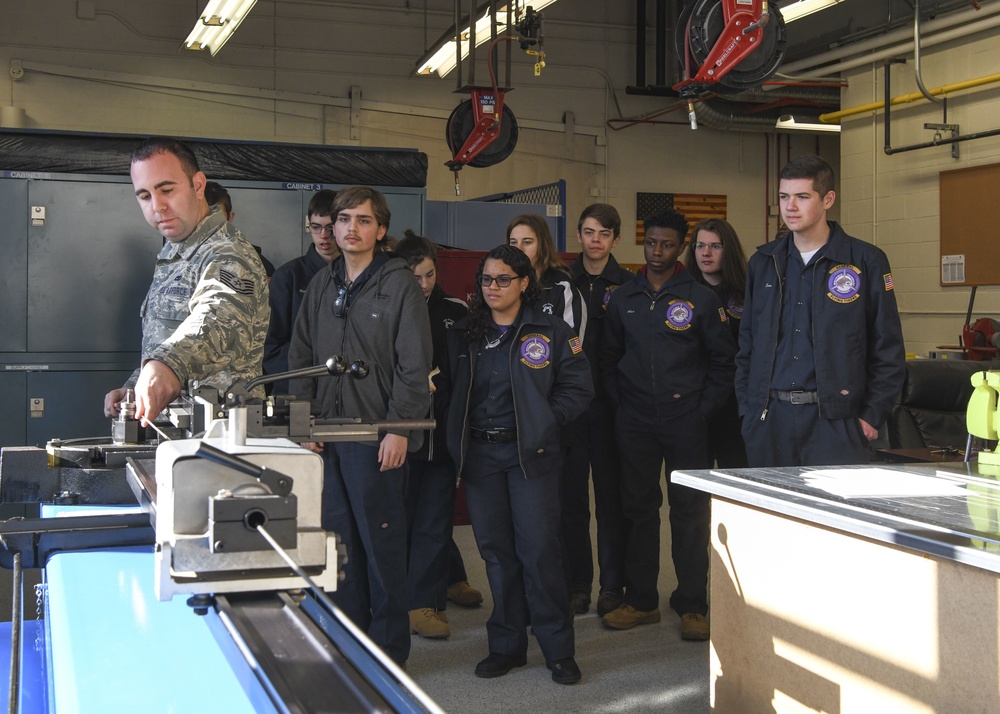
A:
[797,397]
[495,436]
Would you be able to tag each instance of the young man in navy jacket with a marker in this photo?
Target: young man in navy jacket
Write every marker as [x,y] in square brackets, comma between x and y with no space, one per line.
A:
[289,283]
[593,449]
[821,359]
[666,359]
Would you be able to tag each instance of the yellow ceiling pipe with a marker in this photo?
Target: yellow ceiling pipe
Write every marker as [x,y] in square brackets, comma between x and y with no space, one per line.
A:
[835,117]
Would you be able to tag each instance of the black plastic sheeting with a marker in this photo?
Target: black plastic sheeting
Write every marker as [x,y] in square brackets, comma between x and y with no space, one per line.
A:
[109,154]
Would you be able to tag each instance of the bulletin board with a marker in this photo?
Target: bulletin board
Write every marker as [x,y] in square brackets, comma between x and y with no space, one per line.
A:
[970,226]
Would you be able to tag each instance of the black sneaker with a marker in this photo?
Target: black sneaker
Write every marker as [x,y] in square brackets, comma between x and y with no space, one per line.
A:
[564,671]
[579,602]
[497,665]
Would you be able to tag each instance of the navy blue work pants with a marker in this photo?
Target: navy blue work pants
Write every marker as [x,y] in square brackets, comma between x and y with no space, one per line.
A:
[430,515]
[516,523]
[676,443]
[365,508]
[796,435]
[593,452]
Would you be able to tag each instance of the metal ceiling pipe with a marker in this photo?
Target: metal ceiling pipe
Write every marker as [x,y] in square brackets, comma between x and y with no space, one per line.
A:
[713,115]
[957,33]
[834,117]
[876,43]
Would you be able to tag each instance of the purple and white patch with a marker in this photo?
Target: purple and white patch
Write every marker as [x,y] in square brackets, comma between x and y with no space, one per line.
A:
[844,284]
[679,314]
[734,309]
[535,351]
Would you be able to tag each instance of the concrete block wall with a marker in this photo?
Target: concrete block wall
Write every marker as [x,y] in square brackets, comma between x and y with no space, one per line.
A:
[893,201]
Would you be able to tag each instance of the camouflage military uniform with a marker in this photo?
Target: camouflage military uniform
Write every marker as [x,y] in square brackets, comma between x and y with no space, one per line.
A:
[206,313]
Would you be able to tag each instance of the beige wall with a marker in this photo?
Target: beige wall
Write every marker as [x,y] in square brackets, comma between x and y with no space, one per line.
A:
[287,76]
[893,200]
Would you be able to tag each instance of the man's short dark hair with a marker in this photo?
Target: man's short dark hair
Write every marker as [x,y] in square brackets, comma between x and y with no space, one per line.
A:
[321,203]
[667,218]
[415,249]
[810,166]
[216,194]
[165,145]
[356,195]
[603,213]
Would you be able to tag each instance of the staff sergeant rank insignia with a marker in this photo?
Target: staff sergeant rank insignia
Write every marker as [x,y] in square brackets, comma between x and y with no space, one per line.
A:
[243,286]
[844,284]
[535,350]
[680,313]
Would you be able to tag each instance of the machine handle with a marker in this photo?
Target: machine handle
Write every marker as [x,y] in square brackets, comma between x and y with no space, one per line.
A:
[279,483]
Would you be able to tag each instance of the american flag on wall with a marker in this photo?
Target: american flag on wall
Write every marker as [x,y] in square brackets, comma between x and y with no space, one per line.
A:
[695,207]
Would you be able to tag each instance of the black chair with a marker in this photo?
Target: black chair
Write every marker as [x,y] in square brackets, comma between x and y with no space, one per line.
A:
[931,409]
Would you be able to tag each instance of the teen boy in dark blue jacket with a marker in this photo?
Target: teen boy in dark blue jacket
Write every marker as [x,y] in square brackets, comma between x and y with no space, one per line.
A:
[289,283]
[821,358]
[593,449]
[666,359]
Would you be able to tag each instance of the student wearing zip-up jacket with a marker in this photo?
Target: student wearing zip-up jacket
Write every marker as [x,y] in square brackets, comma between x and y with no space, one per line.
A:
[821,358]
[667,362]
[513,378]
[435,563]
[593,448]
[367,306]
[559,297]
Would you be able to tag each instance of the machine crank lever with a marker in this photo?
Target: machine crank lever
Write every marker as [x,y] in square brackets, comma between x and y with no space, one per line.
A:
[279,483]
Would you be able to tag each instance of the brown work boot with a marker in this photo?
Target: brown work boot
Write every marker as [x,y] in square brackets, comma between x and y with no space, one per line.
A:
[426,623]
[626,617]
[461,593]
[694,627]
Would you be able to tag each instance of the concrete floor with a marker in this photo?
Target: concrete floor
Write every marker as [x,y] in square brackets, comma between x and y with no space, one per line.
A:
[646,669]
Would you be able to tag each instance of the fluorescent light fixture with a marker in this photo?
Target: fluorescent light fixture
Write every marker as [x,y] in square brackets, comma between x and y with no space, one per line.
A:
[800,9]
[788,121]
[217,23]
[443,58]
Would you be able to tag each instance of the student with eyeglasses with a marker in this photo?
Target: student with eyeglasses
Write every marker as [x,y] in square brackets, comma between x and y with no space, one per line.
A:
[289,283]
[367,306]
[717,261]
[513,378]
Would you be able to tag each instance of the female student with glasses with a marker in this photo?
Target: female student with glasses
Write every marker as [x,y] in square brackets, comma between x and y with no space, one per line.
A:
[512,379]
[716,260]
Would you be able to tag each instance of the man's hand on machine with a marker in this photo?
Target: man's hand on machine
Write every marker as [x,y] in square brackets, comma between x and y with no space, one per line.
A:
[111,401]
[156,387]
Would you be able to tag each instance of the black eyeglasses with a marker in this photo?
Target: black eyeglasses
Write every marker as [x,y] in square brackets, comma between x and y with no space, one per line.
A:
[317,229]
[340,305]
[502,281]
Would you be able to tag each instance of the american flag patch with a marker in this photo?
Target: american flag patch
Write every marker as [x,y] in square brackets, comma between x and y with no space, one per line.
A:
[887,279]
[575,345]
[243,286]
[722,314]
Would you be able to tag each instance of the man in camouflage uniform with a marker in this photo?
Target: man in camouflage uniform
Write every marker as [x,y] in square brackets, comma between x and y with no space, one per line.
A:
[206,313]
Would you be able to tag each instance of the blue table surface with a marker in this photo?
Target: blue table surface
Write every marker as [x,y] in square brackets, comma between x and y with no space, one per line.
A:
[113,647]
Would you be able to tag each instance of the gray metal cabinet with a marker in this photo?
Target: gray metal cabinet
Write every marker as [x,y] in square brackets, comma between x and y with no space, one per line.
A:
[77,259]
